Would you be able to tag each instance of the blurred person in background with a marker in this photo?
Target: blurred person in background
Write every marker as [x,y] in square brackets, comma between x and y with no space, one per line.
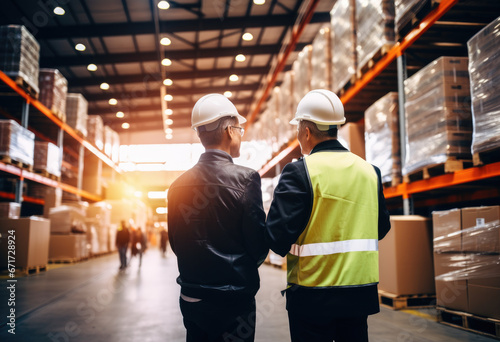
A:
[122,241]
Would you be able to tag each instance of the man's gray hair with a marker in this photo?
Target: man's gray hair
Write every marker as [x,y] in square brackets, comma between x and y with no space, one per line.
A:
[213,135]
[319,132]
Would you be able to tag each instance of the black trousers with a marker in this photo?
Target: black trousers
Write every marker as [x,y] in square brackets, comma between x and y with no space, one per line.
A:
[308,327]
[219,321]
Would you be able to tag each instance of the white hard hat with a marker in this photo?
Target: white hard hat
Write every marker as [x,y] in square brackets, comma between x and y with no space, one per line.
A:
[320,106]
[211,108]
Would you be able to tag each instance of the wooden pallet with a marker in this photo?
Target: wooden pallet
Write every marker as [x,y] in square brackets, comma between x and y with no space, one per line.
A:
[381,52]
[450,165]
[33,269]
[46,174]
[395,181]
[416,18]
[487,157]
[399,302]
[470,322]
[8,160]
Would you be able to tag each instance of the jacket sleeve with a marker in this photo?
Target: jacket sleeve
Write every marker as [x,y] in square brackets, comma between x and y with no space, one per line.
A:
[290,209]
[253,221]
[384,223]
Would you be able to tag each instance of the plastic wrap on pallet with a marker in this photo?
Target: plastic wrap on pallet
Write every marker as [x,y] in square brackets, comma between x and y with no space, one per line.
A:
[405,11]
[484,68]
[343,35]
[115,147]
[95,131]
[19,54]
[273,107]
[374,28]
[53,91]
[77,112]
[287,108]
[302,70]
[16,142]
[438,114]
[321,60]
[47,158]
[382,146]
[11,210]
[108,140]
[67,219]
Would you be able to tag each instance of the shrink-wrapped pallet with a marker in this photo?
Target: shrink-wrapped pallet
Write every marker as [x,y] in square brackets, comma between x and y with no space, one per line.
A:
[16,142]
[67,219]
[321,60]
[438,114]
[302,70]
[47,158]
[11,210]
[273,109]
[382,144]
[108,140]
[343,34]
[406,10]
[374,29]
[95,131]
[77,112]
[287,108]
[115,147]
[53,91]
[19,55]
[484,68]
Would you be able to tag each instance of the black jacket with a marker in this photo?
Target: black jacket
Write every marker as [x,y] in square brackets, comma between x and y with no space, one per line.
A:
[216,228]
[288,217]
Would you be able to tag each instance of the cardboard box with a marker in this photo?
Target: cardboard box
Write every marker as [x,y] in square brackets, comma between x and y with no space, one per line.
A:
[484,301]
[406,257]
[451,280]
[354,136]
[53,198]
[484,270]
[481,227]
[10,210]
[32,241]
[447,230]
[68,247]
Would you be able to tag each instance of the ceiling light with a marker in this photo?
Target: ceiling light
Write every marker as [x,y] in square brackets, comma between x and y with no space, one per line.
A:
[104,86]
[228,94]
[80,47]
[125,125]
[240,58]
[113,102]
[120,114]
[259,2]
[233,78]
[157,194]
[169,136]
[169,122]
[169,111]
[59,11]
[165,41]
[91,67]
[168,82]
[247,36]
[169,131]
[166,62]
[163,5]
[168,97]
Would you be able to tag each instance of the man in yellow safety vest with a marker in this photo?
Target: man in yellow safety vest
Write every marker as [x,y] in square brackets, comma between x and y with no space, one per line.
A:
[327,216]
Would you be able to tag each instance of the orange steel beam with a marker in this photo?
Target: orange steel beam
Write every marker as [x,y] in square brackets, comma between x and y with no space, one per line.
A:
[279,157]
[282,62]
[12,196]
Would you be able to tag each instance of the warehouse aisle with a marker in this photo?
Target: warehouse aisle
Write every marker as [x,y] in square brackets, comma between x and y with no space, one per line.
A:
[93,301]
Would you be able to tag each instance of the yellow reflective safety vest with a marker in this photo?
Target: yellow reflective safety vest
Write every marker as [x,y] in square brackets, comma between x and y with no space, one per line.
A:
[339,246]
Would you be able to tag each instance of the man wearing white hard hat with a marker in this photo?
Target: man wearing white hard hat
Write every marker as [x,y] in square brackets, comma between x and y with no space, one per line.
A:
[327,216]
[216,228]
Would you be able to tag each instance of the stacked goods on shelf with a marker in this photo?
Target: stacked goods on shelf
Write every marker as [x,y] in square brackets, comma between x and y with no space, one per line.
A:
[10,210]
[52,198]
[438,116]
[484,68]
[32,241]
[47,158]
[286,132]
[77,112]
[67,219]
[115,147]
[16,143]
[273,110]
[92,180]
[68,247]
[467,260]
[352,137]
[406,11]
[374,30]
[382,138]
[99,221]
[321,60]
[108,140]
[53,91]
[19,55]
[343,33]
[405,256]
[95,131]
[302,70]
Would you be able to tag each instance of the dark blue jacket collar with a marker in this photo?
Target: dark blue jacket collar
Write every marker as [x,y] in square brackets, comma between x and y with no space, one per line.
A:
[329,145]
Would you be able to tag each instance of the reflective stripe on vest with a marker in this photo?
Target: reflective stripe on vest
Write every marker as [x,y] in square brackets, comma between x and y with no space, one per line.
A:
[339,246]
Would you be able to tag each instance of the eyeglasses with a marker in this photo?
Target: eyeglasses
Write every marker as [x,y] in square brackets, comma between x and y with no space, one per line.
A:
[242,130]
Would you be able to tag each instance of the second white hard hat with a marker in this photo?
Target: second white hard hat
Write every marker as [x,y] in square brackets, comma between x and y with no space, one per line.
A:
[212,107]
[320,106]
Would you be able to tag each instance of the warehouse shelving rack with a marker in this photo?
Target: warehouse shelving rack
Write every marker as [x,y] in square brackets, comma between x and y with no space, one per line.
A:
[476,183]
[62,135]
